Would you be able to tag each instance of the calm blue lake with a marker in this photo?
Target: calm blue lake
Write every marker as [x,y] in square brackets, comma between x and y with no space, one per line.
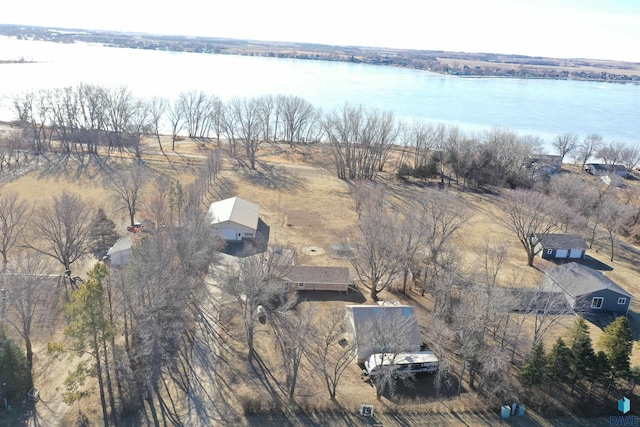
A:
[541,107]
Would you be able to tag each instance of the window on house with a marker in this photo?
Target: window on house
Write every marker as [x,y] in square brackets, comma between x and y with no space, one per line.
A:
[248,234]
[622,300]
[549,251]
[597,302]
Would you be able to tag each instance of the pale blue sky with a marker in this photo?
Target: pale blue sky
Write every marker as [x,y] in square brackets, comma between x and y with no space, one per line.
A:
[603,29]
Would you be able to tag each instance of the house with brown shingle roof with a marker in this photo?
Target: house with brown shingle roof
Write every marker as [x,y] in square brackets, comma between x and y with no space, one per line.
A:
[306,278]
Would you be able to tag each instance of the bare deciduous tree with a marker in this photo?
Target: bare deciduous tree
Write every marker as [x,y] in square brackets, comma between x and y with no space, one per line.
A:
[157,107]
[328,352]
[376,250]
[61,229]
[611,153]
[297,116]
[247,118]
[565,143]
[176,117]
[589,146]
[158,200]
[630,156]
[529,215]
[256,280]
[386,335]
[125,185]
[13,220]
[292,331]
[28,290]
[614,215]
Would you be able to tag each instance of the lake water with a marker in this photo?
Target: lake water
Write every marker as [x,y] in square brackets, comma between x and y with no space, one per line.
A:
[540,107]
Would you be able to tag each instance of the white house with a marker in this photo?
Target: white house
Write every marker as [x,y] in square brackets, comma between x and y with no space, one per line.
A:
[234,219]
[119,253]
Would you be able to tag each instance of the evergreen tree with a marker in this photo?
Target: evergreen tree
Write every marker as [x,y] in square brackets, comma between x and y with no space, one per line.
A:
[600,369]
[617,342]
[15,375]
[89,329]
[532,372]
[582,354]
[558,363]
[634,377]
[102,235]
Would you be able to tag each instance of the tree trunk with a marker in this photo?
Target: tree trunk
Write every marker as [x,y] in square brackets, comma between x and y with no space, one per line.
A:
[103,401]
[530,257]
[405,276]
[152,408]
[374,292]
[612,242]
[27,341]
[464,368]
[159,142]
[112,401]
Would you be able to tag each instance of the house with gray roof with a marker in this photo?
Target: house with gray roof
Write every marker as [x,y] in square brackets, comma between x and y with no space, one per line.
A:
[599,169]
[587,290]
[313,278]
[383,328]
[561,246]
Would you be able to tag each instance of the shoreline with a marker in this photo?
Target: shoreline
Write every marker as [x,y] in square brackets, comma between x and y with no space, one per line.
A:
[462,64]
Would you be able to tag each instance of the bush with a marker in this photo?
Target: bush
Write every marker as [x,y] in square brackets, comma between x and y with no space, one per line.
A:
[403,172]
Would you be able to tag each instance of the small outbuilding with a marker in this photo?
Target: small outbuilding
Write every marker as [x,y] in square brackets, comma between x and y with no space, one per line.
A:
[561,246]
[119,253]
[312,278]
[383,328]
[588,290]
[235,219]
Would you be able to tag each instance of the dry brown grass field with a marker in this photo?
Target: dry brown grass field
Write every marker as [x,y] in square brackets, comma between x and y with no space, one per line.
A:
[308,209]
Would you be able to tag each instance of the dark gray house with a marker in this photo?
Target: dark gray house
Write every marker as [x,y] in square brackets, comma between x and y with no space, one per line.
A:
[598,169]
[561,246]
[587,290]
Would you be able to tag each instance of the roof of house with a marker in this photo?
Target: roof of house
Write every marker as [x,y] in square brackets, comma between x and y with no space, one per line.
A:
[603,167]
[362,314]
[237,210]
[312,274]
[563,241]
[545,158]
[577,279]
[122,244]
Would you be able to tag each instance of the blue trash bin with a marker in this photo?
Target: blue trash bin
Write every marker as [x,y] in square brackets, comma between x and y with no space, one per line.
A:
[521,410]
[506,411]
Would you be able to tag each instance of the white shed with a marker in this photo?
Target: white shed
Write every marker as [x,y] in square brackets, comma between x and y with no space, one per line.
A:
[119,253]
[235,219]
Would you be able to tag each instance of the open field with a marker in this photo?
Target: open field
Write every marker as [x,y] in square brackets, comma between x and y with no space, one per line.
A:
[306,207]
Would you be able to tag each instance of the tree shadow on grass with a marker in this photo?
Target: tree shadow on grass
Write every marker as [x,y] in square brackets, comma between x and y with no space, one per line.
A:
[422,389]
[274,178]
[79,165]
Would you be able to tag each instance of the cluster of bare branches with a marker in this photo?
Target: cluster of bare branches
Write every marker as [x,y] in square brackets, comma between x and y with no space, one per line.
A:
[82,118]
[360,140]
